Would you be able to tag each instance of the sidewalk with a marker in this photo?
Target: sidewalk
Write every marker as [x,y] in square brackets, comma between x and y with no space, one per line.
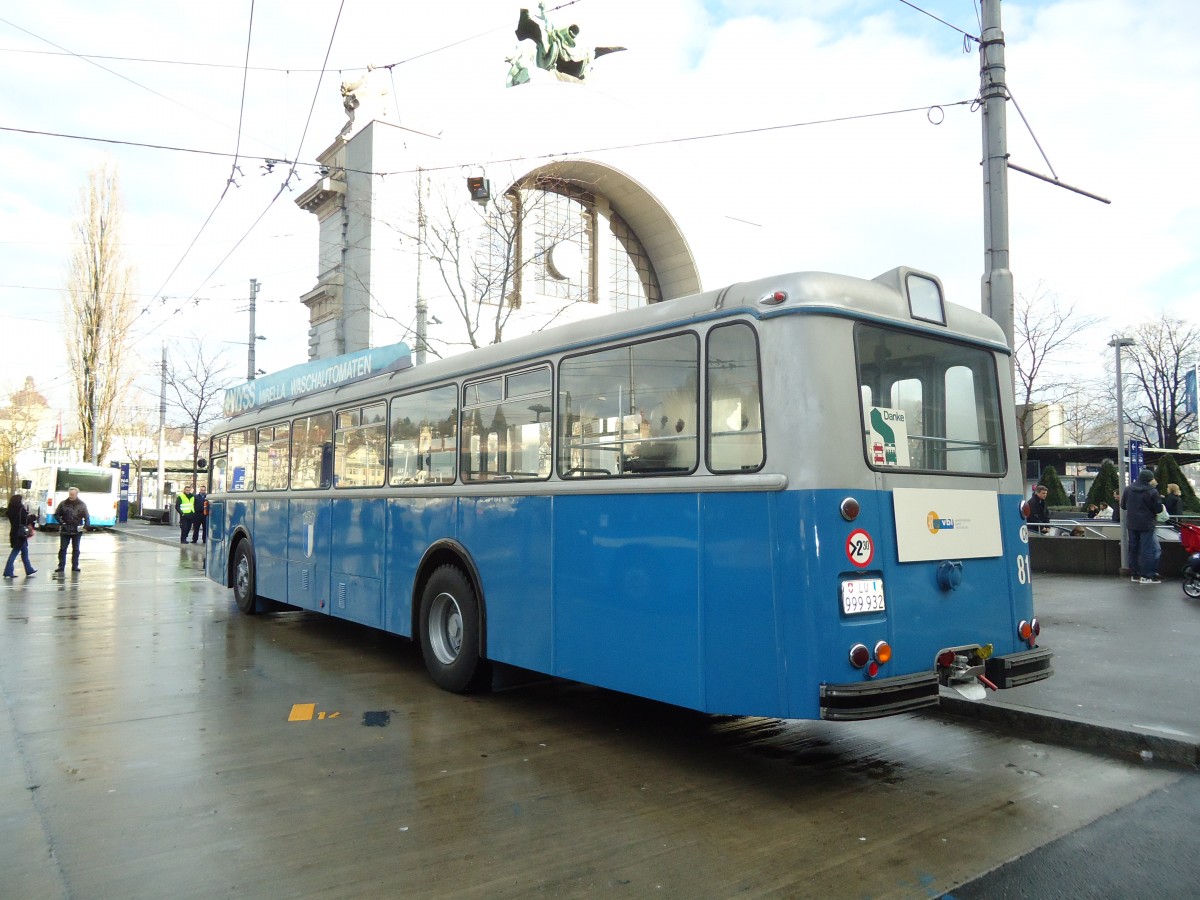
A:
[1126,675]
[146,531]
[1126,669]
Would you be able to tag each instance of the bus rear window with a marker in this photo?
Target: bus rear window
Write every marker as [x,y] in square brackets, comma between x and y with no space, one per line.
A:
[928,404]
[88,482]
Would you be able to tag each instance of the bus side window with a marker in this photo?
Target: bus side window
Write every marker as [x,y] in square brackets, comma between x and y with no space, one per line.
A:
[735,431]
[241,460]
[423,443]
[630,410]
[272,457]
[312,452]
[360,446]
[506,436]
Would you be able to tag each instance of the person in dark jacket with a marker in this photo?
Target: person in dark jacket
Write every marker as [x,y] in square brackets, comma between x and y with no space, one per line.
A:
[72,515]
[1174,500]
[18,536]
[1039,512]
[1142,503]
[200,518]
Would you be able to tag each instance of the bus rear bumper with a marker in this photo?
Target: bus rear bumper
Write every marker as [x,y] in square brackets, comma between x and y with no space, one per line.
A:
[879,697]
[1017,669]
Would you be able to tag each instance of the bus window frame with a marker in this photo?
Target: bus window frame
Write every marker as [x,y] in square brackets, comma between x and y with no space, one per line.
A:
[273,444]
[502,453]
[327,447]
[359,408]
[708,397]
[567,442]
[448,388]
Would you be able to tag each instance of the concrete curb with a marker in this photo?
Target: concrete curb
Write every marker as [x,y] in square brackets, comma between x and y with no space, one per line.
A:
[1076,733]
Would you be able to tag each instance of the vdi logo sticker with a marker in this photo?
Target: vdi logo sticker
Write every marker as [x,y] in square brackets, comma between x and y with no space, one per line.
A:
[935,523]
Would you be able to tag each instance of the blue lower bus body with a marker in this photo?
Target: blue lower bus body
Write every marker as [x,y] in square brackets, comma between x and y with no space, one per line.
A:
[724,602]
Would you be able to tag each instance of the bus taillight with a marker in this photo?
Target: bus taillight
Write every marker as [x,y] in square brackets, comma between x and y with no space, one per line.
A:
[850,509]
[859,655]
[883,652]
[1025,509]
[1029,631]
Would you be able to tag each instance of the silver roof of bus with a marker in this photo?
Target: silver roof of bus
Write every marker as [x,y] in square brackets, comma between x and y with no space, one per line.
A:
[879,299]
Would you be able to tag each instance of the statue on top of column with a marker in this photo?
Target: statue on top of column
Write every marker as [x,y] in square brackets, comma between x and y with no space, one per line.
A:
[557,50]
[365,99]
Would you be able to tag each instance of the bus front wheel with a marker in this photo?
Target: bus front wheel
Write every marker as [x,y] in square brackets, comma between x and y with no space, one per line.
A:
[243,579]
[450,631]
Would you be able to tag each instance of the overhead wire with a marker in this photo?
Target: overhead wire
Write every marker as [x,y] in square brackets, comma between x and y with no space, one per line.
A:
[114,72]
[233,167]
[292,170]
[925,12]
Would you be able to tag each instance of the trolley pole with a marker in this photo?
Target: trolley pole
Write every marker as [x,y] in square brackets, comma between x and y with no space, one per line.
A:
[997,299]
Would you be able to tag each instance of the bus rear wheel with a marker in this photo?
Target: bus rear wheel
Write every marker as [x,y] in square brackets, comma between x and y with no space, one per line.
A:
[243,579]
[449,630]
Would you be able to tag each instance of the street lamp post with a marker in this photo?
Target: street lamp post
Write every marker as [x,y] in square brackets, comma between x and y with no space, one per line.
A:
[1117,343]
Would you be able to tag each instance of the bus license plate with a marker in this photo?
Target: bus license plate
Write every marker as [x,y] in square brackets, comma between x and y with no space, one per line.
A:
[862,595]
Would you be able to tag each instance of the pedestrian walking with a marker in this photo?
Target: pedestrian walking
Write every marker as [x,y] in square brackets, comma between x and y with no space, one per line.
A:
[1142,504]
[19,532]
[72,515]
[185,505]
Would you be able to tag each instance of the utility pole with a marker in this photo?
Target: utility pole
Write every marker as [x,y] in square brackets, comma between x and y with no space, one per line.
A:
[162,428]
[997,287]
[250,369]
[422,306]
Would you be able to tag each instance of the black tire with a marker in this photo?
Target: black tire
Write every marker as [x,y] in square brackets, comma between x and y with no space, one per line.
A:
[244,585]
[449,627]
[1191,585]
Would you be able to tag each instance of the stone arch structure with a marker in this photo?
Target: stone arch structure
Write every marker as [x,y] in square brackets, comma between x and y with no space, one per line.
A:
[651,224]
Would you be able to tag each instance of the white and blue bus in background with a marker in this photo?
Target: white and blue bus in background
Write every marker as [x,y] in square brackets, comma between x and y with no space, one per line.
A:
[99,488]
[797,497]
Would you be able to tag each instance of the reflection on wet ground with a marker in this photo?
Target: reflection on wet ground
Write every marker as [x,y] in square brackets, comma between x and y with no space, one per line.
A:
[158,743]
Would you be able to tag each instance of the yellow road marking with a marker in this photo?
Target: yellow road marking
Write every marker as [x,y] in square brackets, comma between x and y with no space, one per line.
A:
[302,712]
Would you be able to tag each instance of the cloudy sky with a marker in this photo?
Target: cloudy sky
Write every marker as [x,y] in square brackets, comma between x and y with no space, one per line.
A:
[859,149]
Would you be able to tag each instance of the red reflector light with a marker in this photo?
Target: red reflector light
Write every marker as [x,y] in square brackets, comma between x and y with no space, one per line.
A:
[1025,630]
[859,655]
[872,670]
[1025,509]
[883,652]
[945,659]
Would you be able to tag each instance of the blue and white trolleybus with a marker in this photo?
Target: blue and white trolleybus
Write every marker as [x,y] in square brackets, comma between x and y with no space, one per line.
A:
[796,497]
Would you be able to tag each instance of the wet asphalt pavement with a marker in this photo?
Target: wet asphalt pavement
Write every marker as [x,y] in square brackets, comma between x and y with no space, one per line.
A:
[155,742]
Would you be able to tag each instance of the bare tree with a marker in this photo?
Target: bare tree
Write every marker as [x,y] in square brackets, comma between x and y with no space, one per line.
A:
[486,256]
[196,387]
[99,310]
[1163,353]
[1043,329]
[1087,416]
